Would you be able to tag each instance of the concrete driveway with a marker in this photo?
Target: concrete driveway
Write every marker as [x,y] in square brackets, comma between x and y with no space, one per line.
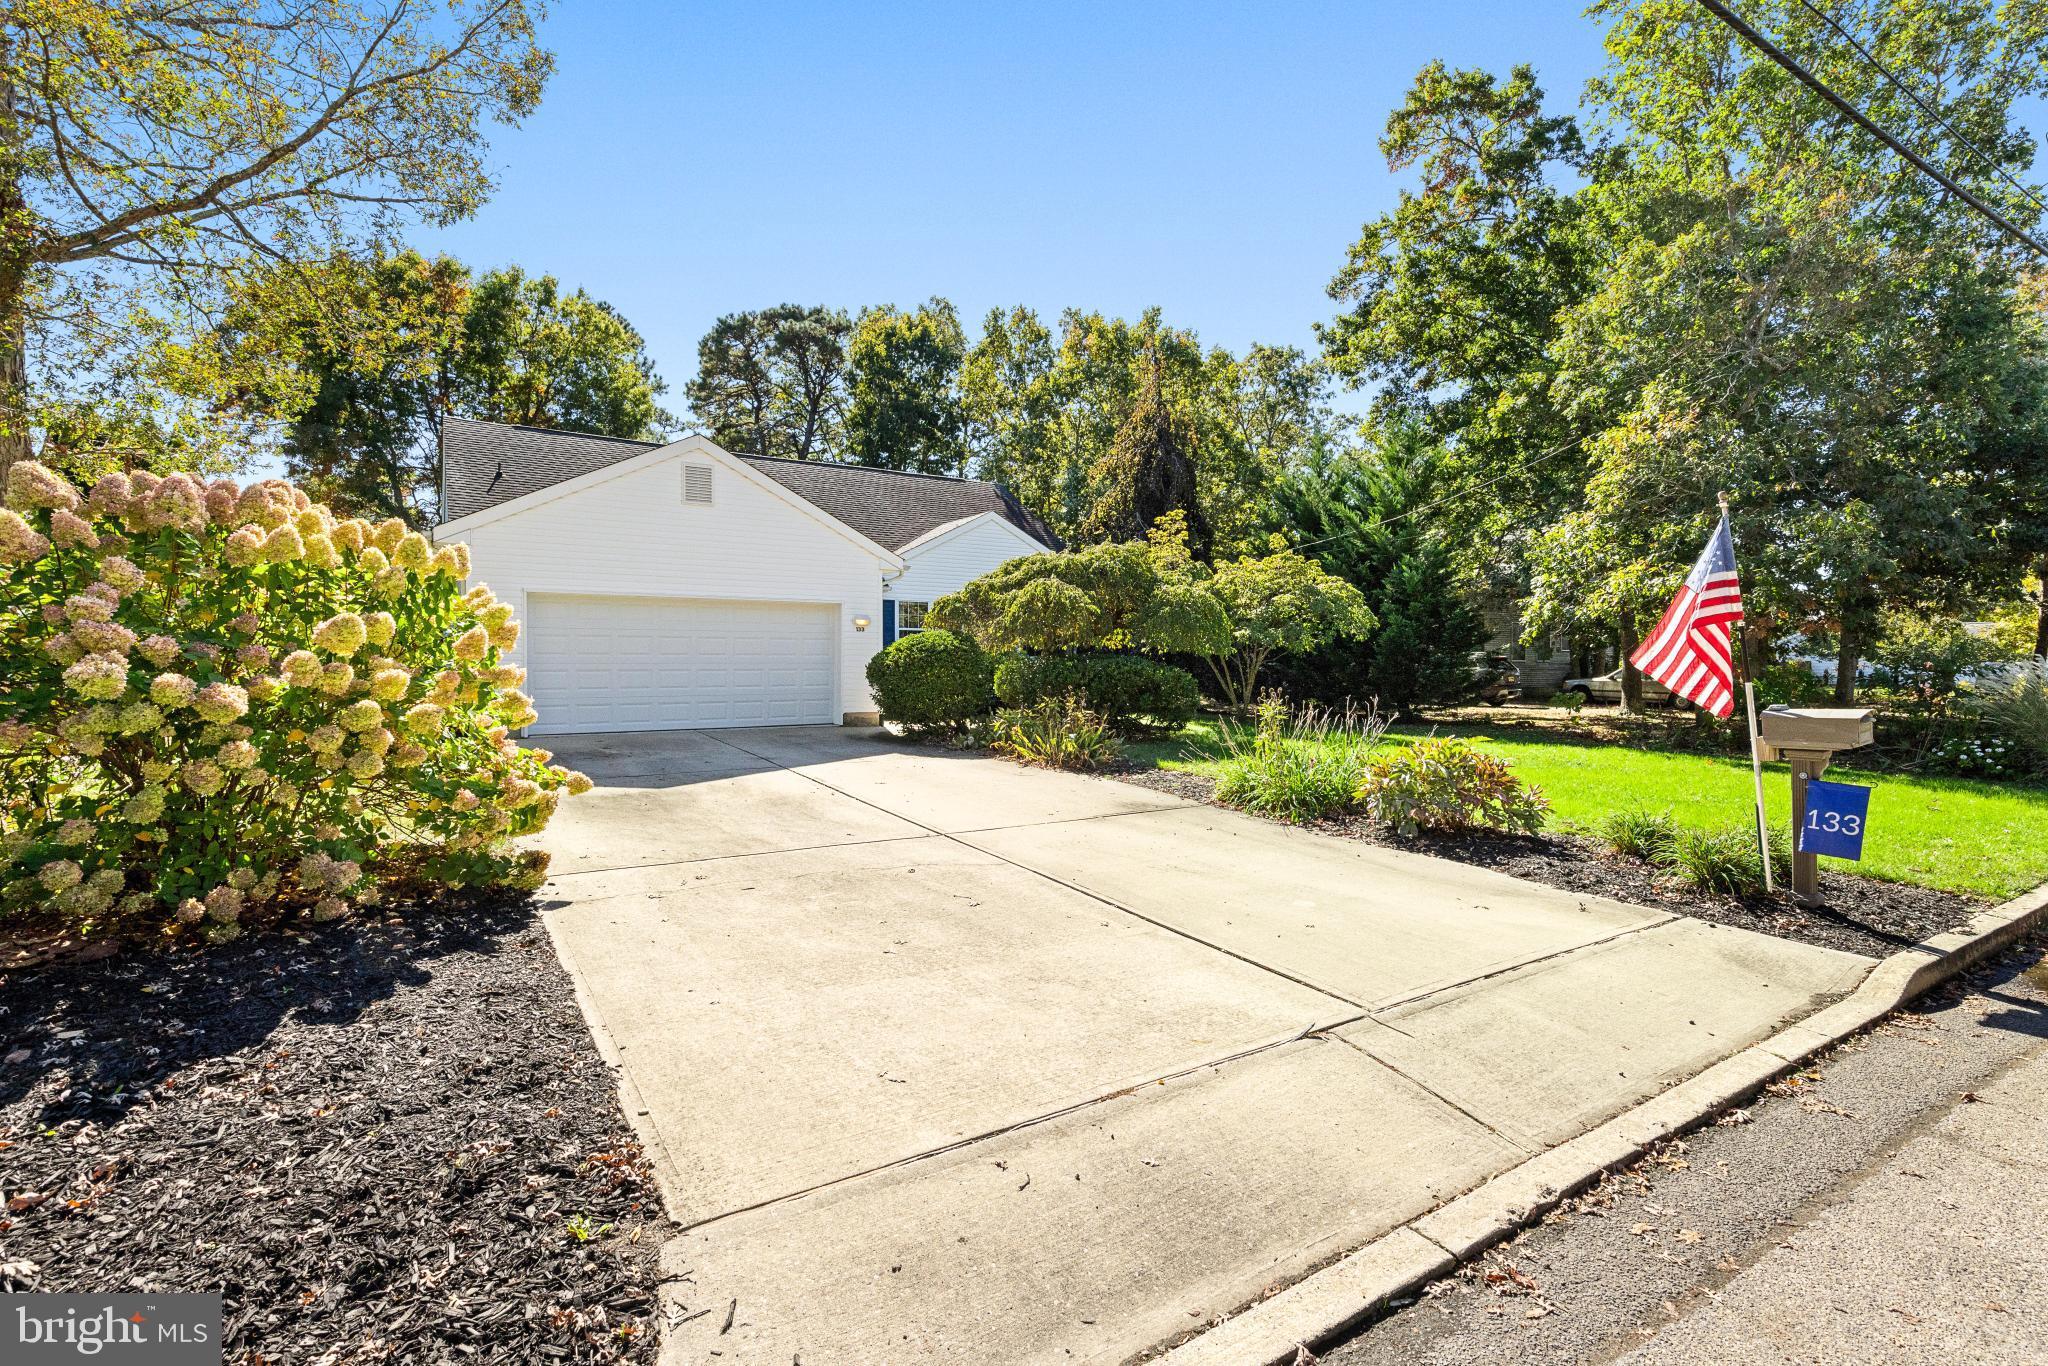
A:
[943,1059]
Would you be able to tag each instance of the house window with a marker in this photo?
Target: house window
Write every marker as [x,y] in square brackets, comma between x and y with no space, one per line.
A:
[910,617]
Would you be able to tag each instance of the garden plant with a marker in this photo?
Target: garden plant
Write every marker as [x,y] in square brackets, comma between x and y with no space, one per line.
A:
[1299,765]
[933,680]
[220,702]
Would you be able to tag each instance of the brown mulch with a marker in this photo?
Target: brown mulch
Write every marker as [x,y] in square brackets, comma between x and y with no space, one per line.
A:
[1862,915]
[382,1141]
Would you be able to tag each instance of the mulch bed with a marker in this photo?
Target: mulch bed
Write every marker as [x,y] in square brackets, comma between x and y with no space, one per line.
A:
[1862,915]
[382,1141]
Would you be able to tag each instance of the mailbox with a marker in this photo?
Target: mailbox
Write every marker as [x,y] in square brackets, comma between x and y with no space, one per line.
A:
[1808,737]
[1814,730]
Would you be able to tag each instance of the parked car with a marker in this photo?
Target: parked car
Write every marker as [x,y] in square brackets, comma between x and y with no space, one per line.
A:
[1494,679]
[1606,688]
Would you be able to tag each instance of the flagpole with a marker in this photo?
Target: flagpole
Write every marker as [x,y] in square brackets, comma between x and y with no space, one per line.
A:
[1756,760]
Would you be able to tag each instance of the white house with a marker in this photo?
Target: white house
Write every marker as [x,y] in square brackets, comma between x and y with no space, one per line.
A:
[666,587]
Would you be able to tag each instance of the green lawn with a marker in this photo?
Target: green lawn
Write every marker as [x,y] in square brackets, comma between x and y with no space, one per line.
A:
[1986,839]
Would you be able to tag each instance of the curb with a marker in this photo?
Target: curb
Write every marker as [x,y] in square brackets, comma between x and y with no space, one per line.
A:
[1315,1310]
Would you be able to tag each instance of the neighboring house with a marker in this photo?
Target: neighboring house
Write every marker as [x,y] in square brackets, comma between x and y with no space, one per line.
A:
[667,587]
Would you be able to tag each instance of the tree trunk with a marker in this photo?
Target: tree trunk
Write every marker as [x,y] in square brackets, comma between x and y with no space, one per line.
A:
[1631,676]
[2041,611]
[14,267]
[1848,656]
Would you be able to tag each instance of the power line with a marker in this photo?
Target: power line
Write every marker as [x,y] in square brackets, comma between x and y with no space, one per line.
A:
[1855,115]
[1849,36]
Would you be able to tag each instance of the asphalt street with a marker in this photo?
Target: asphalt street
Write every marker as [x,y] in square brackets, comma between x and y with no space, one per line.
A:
[1884,1204]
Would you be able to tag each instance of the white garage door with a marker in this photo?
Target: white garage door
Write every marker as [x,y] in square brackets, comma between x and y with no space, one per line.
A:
[597,664]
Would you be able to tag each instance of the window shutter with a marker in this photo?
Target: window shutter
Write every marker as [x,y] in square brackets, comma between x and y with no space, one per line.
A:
[697,485]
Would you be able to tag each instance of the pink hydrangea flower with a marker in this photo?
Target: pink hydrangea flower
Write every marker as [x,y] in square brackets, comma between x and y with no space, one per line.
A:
[20,542]
[158,650]
[69,529]
[31,484]
[221,703]
[110,495]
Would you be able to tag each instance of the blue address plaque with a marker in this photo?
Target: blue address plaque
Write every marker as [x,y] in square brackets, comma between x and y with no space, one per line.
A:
[1836,814]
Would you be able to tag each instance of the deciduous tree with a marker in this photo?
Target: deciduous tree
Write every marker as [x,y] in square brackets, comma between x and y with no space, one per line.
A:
[150,149]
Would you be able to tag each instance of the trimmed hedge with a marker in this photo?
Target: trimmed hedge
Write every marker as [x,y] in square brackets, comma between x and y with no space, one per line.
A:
[933,678]
[1136,695]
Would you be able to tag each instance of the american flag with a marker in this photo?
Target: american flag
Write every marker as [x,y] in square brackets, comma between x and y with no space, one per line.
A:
[1692,651]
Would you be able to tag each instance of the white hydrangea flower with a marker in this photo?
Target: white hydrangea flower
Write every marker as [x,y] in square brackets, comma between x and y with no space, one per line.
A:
[342,634]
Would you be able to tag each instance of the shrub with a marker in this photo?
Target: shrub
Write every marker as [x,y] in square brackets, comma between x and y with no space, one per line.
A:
[219,699]
[1568,701]
[1137,696]
[932,678]
[1299,765]
[1724,859]
[1057,732]
[1639,833]
[1446,785]
[2012,699]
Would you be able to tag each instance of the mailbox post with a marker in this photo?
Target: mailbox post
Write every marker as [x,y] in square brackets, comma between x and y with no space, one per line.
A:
[1807,738]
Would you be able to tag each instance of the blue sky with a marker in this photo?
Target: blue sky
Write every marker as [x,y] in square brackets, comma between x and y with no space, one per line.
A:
[690,160]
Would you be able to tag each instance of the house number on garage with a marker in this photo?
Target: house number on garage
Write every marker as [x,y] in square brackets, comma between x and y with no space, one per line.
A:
[1835,816]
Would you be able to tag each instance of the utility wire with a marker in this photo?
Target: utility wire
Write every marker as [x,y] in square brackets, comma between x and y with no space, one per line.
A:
[1849,36]
[1856,116]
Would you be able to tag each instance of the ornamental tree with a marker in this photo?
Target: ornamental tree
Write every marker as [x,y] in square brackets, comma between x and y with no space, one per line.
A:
[218,700]
[1279,602]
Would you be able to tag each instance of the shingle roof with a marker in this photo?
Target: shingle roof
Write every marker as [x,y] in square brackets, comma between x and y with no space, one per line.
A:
[487,463]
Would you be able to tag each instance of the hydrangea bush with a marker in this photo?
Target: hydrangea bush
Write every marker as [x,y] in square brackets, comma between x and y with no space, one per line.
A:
[217,699]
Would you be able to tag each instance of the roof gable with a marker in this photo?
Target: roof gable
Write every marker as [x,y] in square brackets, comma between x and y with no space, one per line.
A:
[485,464]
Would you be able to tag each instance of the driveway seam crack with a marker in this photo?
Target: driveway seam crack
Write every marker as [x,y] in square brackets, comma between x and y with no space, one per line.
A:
[1311,1031]
[1062,882]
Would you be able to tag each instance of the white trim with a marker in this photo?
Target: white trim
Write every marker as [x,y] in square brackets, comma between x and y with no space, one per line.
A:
[946,531]
[675,450]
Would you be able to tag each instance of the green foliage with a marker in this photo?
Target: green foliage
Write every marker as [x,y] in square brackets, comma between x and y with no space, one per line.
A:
[1791,685]
[1137,696]
[1448,786]
[903,401]
[2012,699]
[219,699]
[1639,833]
[361,360]
[1102,596]
[1279,602]
[1724,859]
[1919,657]
[773,381]
[1568,701]
[1369,518]
[1044,406]
[932,678]
[1299,765]
[154,151]
[1148,472]
[1056,732]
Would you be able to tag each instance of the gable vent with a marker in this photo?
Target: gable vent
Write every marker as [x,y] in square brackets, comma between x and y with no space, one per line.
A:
[697,485]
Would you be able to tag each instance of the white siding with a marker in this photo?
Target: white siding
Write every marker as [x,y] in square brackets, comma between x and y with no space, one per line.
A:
[631,535]
[949,562]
